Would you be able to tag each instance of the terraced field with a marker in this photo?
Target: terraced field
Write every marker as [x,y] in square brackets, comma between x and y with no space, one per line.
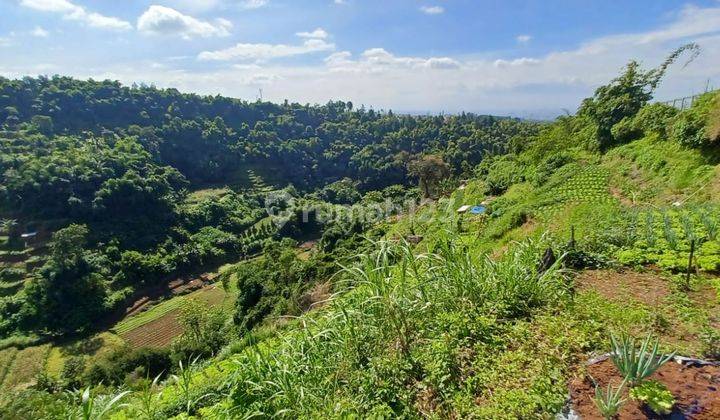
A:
[588,184]
[158,326]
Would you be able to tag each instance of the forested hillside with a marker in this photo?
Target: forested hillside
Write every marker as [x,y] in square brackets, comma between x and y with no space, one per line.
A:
[525,250]
[114,181]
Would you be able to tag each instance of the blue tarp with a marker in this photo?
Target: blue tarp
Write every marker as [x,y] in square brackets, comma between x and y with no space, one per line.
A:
[477,209]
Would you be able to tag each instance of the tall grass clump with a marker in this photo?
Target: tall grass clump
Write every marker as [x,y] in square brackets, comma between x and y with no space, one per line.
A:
[361,354]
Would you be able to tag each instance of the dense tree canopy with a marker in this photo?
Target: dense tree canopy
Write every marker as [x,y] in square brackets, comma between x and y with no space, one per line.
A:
[125,162]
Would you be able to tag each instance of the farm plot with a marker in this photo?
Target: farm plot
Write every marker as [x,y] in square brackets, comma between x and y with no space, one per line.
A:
[158,326]
[663,237]
[25,367]
[572,184]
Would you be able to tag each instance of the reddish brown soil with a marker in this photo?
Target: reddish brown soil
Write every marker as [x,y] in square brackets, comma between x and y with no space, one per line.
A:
[648,288]
[696,390]
[158,333]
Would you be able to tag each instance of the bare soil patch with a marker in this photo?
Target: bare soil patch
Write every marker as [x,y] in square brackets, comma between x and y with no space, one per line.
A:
[696,390]
[648,288]
[317,296]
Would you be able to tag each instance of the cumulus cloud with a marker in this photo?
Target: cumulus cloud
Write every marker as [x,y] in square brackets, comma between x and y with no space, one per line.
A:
[71,11]
[317,33]
[266,51]
[161,20]
[432,10]
[536,86]
[523,39]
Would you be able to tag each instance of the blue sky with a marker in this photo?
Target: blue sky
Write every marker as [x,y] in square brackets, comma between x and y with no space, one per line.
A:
[526,58]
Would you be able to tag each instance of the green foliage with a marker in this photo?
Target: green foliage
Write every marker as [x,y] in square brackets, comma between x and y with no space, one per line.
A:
[655,395]
[697,125]
[120,161]
[663,238]
[610,401]
[636,364]
[340,192]
[710,338]
[70,291]
[625,95]
[127,365]
[651,119]
[94,407]
[500,173]
[407,316]
[205,331]
[12,274]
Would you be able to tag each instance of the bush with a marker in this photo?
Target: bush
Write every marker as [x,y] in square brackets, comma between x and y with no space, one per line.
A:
[500,173]
[116,367]
[204,332]
[12,274]
[697,126]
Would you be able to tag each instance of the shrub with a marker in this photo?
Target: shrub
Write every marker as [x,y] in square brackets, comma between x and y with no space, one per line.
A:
[698,125]
[11,274]
[500,173]
[205,331]
[116,367]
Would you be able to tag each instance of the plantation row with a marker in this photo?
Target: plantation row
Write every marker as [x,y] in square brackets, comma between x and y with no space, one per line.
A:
[664,237]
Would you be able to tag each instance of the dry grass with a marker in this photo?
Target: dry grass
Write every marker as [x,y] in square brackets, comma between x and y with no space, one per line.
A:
[27,365]
[7,357]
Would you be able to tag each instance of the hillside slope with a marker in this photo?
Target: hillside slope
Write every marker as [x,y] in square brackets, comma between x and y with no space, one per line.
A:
[604,223]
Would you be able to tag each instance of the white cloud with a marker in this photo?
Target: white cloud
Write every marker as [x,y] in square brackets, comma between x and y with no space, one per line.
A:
[524,61]
[432,10]
[266,51]
[318,33]
[191,6]
[161,20]
[39,32]
[5,41]
[71,11]
[523,39]
[377,60]
[254,4]
[536,86]
[340,1]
